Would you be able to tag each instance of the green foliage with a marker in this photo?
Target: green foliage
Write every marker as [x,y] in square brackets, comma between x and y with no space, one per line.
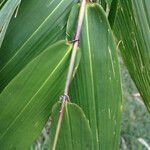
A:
[136,118]
[132,30]
[104,3]
[110,6]
[6,13]
[26,102]
[75,132]
[113,12]
[33,70]
[35,28]
[98,77]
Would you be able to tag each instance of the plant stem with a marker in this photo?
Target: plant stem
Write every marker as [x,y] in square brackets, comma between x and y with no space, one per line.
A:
[75,46]
[70,69]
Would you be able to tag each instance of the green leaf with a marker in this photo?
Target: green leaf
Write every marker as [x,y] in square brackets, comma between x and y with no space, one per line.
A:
[75,132]
[97,86]
[113,12]
[110,8]
[109,2]
[132,29]
[5,15]
[104,3]
[2,2]
[38,24]
[26,102]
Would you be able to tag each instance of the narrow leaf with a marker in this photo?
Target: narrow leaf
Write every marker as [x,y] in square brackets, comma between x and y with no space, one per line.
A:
[38,24]
[75,132]
[132,29]
[97,86]
[113,12]
[6,13]
[26,102]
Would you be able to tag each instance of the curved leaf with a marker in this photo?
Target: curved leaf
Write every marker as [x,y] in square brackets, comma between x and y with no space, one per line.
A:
[97,86]
[75,132]
[132,28]
[38,24]
[104,3]
[6,13]
[110,6]
[26,102]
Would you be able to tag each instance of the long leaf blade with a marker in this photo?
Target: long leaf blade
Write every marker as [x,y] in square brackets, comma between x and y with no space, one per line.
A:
[38,24]
[26,102]
[132,29]
[97,86]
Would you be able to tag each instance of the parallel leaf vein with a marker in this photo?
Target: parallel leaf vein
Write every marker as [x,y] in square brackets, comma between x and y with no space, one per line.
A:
[31,36]
[51,74]
[91,68]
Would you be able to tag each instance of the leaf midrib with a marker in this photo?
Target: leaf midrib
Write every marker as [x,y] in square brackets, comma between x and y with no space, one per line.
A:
[31,36]
[91,68]
[51,74]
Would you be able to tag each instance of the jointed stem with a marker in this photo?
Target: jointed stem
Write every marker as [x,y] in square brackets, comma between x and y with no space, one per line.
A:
[75,46]
[70,69]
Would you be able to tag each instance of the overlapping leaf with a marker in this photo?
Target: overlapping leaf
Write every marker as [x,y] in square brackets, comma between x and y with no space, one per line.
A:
[132,28]
[38,24]
[96,86]
[75,132]
[110,6]
[5,15]
[113,12]
[26,102]
[104,3]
